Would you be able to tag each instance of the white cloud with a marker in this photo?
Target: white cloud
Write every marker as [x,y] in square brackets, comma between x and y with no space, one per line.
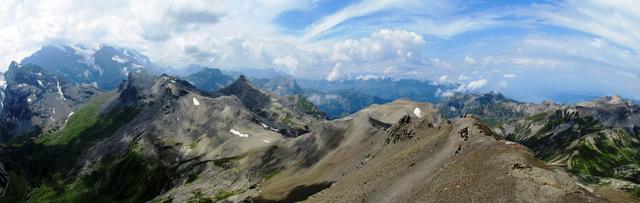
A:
[476,84]
[368,77]
[508,75]
[613,19]
[443,78]
[469,61]
[162,29]
[465,87]
[359,9]
[440,63]
[287,62]
[335,72]
[382,45]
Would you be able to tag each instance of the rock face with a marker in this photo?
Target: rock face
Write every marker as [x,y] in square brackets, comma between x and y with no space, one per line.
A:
[37,101]
[105,66]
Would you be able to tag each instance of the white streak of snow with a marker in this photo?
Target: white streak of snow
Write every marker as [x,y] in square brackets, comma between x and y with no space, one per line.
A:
[196,102]
[266,141]
[417,112]
[60,90]
[69,116]
[40,83]
[118,59]
[238,133]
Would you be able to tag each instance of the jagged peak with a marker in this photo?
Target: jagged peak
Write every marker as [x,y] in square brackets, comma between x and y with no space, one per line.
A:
[247,93]
[239,85]
[242,78]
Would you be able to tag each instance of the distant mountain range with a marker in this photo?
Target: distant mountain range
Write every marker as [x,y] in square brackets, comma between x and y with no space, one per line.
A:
[80,125]
[106,66]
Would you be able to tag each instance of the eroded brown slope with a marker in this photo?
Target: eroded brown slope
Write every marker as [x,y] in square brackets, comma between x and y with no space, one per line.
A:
[423,159]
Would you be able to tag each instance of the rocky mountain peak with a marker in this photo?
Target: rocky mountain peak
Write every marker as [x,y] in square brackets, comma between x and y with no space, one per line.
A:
[242,78]
[247,93]
[144,87]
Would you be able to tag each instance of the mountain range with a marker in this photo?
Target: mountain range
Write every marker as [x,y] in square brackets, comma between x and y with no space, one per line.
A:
[108,125]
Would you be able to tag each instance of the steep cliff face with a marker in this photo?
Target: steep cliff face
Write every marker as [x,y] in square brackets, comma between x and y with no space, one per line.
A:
[37,101]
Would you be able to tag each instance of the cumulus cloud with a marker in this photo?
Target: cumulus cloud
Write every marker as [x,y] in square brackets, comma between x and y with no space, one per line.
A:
[368,37]
[382,45]
[443,78]
[170,32]
[508,75]
[476,84]
[335,72]
[465,87]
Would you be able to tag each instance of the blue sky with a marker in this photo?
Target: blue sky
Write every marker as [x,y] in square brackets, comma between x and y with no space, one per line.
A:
[528,50]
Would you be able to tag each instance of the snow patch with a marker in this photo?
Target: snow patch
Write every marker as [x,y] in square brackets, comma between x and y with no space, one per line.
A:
[265,126]
[60,90]
[118,59]
[509,143]
[40,83]
[69,116]
[238,133]
[417,112]
[266,141]
[196,102]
